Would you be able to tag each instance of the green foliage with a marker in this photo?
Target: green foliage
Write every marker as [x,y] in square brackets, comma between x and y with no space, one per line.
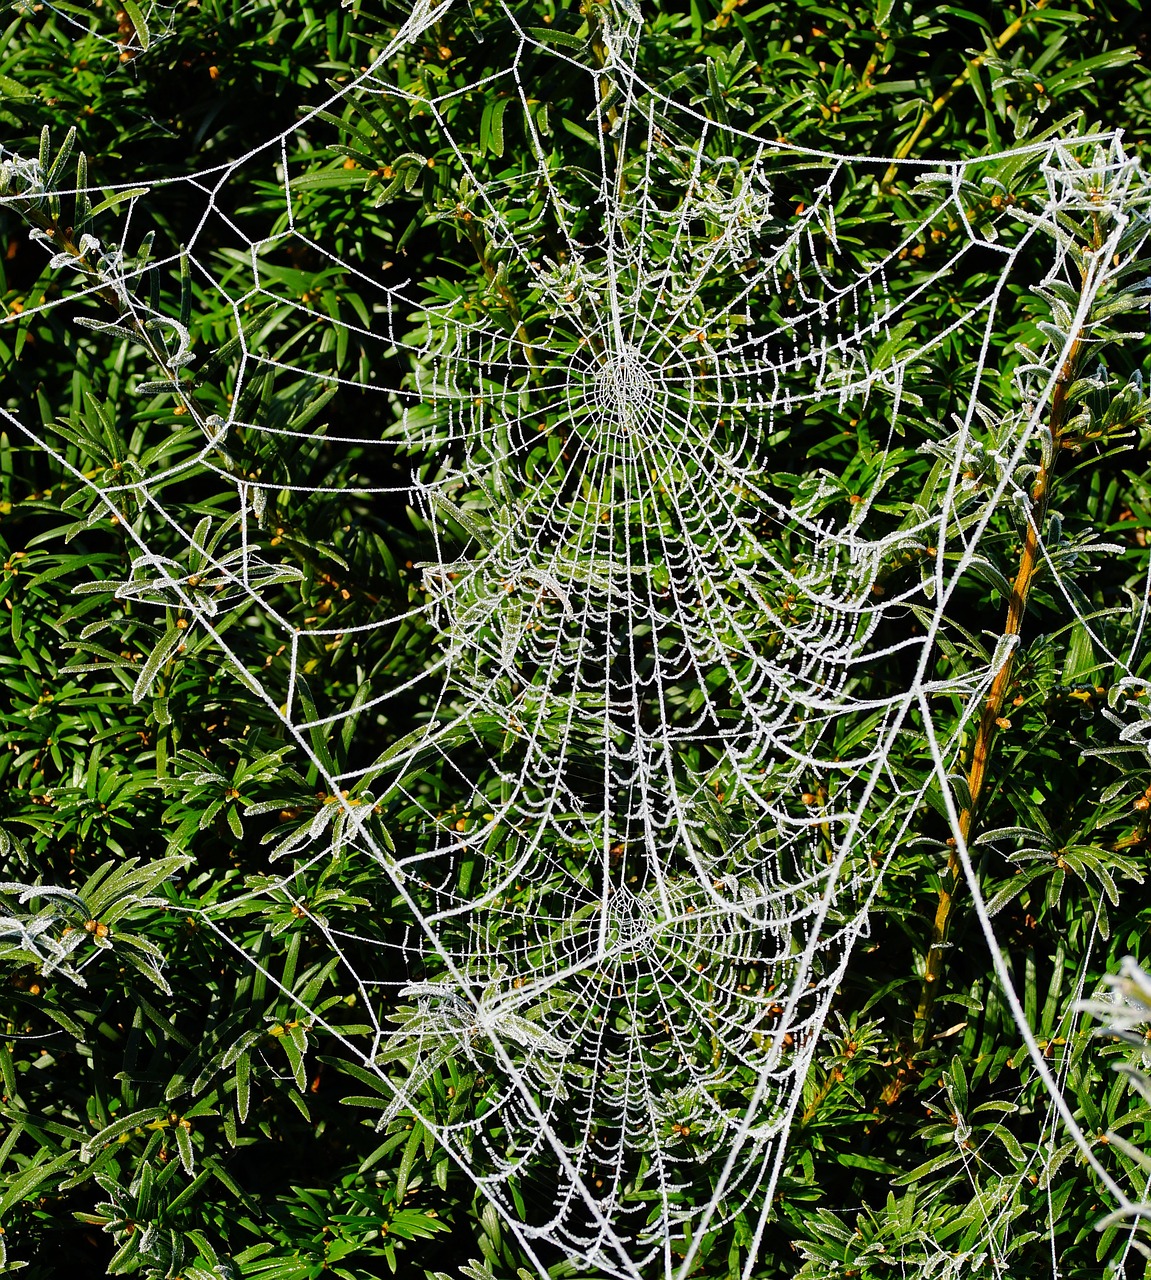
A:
[182,1092]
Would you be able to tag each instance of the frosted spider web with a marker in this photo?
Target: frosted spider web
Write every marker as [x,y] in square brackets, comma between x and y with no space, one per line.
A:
[666,792]
[129,30]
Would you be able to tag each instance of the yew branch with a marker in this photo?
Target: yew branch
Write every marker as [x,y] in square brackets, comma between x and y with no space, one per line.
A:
[992,713]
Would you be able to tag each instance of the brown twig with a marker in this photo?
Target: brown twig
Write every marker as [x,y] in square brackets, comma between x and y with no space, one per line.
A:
[989,721]
[1005,37]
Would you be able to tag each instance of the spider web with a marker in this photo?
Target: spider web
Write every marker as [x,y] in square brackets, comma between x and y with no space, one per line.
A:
[130,29]
[668,795]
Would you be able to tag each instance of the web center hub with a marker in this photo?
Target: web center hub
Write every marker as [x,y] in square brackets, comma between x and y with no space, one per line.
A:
[624,390]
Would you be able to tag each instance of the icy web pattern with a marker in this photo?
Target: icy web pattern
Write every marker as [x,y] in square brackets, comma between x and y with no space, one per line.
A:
[138,25]
[640,965]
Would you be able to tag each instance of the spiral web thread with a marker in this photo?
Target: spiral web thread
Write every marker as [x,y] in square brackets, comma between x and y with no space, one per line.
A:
[638,969]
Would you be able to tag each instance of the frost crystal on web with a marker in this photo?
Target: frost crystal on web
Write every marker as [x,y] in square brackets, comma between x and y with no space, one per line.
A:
[652,842]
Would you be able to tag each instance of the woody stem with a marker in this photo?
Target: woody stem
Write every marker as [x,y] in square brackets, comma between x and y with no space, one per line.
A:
[908,145]
[976,776]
